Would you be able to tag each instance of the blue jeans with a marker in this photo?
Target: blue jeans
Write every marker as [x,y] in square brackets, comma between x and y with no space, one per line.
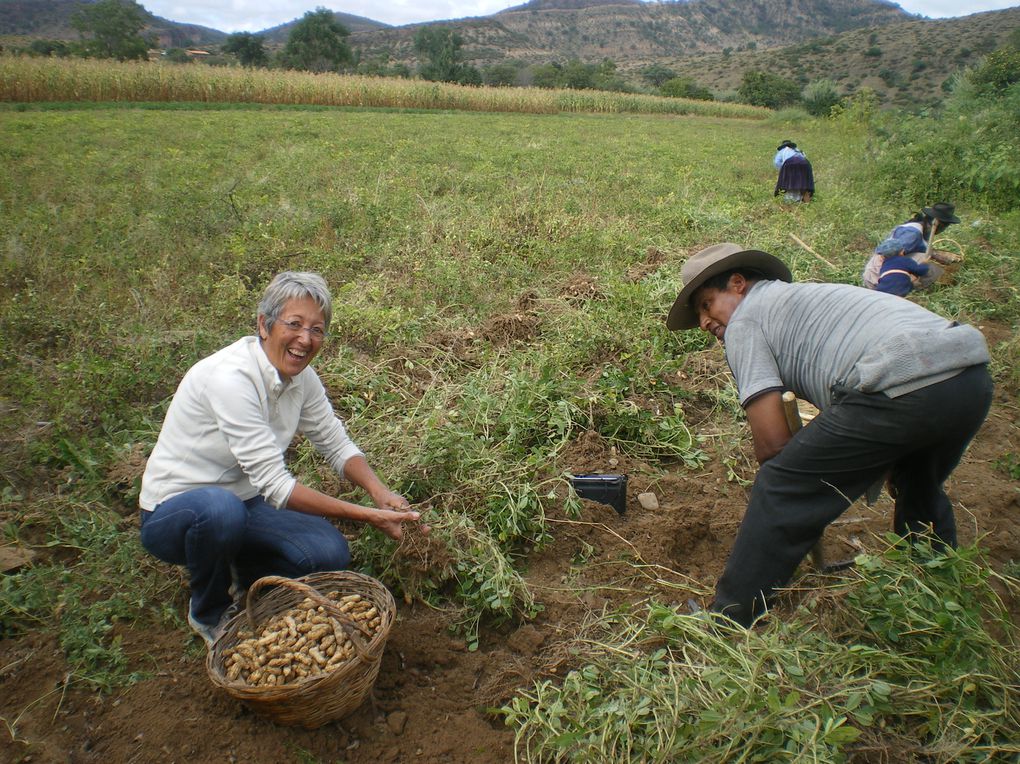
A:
[210,531]
[919,438]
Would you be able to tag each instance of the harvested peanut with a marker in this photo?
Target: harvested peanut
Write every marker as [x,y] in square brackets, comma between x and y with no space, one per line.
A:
[305,641]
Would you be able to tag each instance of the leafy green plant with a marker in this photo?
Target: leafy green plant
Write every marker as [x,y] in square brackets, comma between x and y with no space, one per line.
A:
[666,686]
[1010,464]
[819,97]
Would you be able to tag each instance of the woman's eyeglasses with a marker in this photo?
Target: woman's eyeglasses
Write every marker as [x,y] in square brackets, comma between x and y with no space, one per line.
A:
[294,327]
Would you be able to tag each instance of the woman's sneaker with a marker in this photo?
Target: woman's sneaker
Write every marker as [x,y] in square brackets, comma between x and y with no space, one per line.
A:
[211,633]
[206,632]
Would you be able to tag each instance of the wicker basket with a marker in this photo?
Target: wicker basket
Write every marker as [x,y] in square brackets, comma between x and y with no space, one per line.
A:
[311,701]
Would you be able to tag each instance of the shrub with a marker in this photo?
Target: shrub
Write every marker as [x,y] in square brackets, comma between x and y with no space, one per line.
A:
[819,97]
[685,87]
[975,151]
[770,90]
[997,72]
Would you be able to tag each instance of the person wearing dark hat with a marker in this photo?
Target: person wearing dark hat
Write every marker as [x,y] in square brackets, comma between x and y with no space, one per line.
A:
[916,236]
[874,365]
[796,178]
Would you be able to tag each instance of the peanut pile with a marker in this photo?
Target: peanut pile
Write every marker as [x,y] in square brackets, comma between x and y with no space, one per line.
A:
[302,642]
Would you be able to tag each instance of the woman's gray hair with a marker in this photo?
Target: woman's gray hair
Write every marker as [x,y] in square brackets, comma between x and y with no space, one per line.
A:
[291,285]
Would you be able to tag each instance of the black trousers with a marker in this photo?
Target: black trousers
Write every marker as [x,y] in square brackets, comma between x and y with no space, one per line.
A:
[920,437]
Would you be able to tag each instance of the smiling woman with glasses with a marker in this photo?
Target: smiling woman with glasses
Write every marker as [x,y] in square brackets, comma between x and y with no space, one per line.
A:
[217,496]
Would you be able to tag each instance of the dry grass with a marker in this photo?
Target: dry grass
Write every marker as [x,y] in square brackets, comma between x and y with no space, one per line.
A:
[31,80]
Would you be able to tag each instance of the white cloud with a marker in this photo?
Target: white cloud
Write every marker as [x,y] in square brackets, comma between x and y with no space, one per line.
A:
[256,15]
[938,9]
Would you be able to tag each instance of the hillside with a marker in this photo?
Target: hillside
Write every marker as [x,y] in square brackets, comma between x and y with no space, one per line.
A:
[626,31]
[908,64]
[51,19]
[632,33]
[352,23]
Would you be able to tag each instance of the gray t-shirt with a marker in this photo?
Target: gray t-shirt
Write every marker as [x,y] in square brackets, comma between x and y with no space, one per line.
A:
[809,337]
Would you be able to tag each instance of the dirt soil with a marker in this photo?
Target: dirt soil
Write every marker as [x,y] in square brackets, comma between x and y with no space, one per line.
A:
[433,699]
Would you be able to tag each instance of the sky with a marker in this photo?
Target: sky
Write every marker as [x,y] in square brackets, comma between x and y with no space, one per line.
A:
[256,15]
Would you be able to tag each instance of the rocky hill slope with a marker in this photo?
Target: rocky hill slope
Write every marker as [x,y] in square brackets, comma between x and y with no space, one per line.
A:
[631,32]
[908,64]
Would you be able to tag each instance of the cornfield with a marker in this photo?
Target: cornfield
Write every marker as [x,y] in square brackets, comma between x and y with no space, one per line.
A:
[27,80]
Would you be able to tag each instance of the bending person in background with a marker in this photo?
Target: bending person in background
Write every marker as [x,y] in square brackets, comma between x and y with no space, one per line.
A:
[899,274]
[796,178]
[876,366]
[217,496]
[916,236]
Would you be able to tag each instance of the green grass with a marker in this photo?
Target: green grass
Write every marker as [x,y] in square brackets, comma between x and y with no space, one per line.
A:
[501,282]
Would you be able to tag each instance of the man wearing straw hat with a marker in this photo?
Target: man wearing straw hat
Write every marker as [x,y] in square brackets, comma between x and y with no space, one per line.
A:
[875,366]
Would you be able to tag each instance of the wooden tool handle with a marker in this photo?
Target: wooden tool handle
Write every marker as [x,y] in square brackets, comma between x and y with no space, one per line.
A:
[791,411]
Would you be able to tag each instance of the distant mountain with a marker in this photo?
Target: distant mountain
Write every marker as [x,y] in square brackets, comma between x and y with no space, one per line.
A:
[564,5]
[542,30]
[631,32]
[279,34]
[51,19]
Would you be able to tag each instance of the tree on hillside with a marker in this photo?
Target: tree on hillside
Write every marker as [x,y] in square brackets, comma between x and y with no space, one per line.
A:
[501,74]
[57,48]
[248,48]
[113,29]
[317,43]
[440,47]
[577,75]
[657,74]
[547,75]
[770,90]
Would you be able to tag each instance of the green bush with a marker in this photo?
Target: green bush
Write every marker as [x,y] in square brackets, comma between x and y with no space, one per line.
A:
[770,90]
[974,155]
[819,97]
[685,87]
[997,72]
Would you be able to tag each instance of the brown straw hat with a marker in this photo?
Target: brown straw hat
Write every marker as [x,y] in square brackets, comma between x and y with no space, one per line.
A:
[710,262]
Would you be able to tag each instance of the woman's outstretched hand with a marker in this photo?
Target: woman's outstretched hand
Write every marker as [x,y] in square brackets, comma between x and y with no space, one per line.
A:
[391,522]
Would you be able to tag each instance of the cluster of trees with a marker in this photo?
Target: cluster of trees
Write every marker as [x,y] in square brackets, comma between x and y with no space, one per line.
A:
[577,75]
[108,28]
[318,43]
[760,88]
[668,83]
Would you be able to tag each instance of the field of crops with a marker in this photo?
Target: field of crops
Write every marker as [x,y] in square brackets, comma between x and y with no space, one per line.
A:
[26,80]
[500,285]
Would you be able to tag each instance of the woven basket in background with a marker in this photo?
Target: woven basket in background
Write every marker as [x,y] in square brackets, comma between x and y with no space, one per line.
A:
[311,701]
